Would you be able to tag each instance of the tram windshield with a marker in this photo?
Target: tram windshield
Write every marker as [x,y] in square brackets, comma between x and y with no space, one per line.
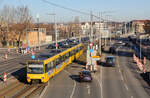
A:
[35,67]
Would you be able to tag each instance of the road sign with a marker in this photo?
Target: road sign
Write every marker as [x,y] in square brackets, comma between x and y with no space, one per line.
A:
[56,45]
[28,48]
[91,50]
[91,44]
[33,56]
[95,56]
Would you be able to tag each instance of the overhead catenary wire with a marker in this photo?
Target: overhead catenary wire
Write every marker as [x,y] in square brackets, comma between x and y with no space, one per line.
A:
[66,8]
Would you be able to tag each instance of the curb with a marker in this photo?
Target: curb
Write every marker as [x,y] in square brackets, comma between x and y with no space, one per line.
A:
[44,90]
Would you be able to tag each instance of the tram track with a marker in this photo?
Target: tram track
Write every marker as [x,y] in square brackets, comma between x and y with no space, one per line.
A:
[21,90]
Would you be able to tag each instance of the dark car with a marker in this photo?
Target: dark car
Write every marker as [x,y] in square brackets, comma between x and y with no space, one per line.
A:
[85,76]
[110,61]
[51,46]
[56,50]
[112,49]
[65,45]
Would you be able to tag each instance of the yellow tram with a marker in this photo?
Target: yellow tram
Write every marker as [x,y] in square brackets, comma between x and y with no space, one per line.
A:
[43,70]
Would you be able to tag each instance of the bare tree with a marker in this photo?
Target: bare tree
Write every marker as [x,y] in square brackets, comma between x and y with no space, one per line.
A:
[23,21]
[14,21]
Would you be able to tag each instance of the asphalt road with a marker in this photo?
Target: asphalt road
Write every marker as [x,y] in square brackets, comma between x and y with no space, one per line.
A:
[108,82]
[133,85]
[66,85]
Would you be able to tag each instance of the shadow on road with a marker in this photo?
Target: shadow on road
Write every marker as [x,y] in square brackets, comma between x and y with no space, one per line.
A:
[125,53]
[80,62]
[75,77]
[146,77]
[100,63]
[20,75]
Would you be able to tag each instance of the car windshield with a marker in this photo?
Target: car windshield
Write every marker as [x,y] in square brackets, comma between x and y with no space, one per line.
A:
[35,68]
[110,60]
[86,73]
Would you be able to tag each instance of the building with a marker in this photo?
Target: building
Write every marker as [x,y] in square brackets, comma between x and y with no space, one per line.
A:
[138,26]
[32,39]
[85,28]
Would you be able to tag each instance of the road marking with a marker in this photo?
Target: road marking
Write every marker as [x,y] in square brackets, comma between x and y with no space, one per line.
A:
[131,96]
[73,90]
[88,87]
[119,70]
[122,77]
[74,86]
[121,74]
[67,72]
[126,86]
[101,82]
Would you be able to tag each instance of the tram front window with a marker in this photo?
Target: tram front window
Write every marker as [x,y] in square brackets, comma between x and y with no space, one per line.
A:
[35,68]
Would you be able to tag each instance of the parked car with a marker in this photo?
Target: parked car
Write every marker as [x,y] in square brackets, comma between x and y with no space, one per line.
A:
[85,76]
[110,61]
[112,49]
[51,46]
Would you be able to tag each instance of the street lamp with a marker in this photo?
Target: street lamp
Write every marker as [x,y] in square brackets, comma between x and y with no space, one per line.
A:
[37,16]
[56,34]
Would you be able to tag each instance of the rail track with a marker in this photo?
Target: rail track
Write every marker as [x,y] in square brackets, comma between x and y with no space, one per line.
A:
[21,90]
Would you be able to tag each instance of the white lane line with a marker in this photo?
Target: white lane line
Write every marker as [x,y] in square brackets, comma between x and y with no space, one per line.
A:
[74,86]
[101,82]
[73,90]
[119,70]
[67,72]
[121,74]
[122,77]
[126,86]
[89,91]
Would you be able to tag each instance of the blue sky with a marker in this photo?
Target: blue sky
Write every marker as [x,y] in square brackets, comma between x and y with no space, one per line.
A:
[120,10]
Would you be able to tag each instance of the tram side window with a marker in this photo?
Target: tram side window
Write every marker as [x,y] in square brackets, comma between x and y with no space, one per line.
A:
[67,55]
[58,61]
[52,64]
[48,66]
[77,49]
[61,59]
[72,52]
[64,57]
[81,47]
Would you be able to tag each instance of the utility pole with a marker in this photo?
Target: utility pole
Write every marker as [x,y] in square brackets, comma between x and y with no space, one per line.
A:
[56,33]
[27,37]
[100,39]
[91,37]
[38,30]
[79,31]
[125,28]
